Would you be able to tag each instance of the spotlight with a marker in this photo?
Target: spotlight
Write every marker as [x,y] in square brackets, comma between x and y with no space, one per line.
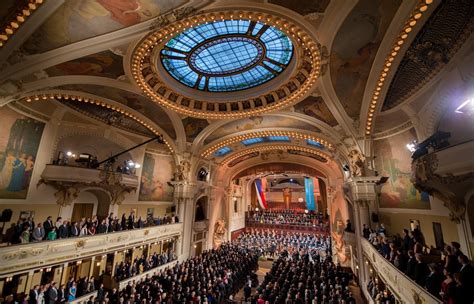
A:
[68,153]
[412,146]
[458,109]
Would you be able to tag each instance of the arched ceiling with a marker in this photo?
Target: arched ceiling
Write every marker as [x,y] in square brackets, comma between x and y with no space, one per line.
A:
[89,46]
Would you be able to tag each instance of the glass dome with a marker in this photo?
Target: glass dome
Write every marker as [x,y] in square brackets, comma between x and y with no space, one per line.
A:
[228,55]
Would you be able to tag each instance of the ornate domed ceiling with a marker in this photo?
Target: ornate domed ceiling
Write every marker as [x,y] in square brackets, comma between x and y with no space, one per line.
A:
[227,64]
[225,82]
[229,55]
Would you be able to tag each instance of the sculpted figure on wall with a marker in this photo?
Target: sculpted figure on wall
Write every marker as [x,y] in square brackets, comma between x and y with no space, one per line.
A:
[219,233]
[357,163]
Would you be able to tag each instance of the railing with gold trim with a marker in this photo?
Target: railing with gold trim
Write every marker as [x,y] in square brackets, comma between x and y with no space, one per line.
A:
[19,258]
[405,289]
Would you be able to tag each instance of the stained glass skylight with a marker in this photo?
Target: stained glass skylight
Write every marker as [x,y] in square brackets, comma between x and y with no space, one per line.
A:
[314,143]
[223,151]
[256,140]
[227,55]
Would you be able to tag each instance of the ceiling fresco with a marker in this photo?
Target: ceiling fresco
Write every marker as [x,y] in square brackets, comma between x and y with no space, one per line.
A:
[134,101]
[258,122]
[315,106]
[193,126]
[77,20]
[438,41]
[303,7]
[351,59]
[104,64]
[109,117]
[9,7]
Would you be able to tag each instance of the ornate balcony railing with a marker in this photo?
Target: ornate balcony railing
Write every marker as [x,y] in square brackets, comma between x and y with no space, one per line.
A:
[405,289]
[70,180]
[15,259]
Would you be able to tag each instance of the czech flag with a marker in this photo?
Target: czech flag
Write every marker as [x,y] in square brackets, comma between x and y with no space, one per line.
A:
[260,194]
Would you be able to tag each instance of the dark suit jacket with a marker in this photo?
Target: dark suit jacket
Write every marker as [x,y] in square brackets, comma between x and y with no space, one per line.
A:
[63,232]
[433,283]
[53,295]
[467,276]
[33,297]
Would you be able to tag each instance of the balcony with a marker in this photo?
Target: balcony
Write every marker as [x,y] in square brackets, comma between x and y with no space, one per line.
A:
[406,290]
[446,173]
[70,180]
[18,258]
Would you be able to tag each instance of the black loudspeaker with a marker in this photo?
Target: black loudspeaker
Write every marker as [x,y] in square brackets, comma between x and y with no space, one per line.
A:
[375,217]
[6,215]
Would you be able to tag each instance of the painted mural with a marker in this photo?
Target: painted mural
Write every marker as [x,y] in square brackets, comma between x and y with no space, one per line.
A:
[339,215]
[157,172]
[351,59]
[105,64]
[315,106]
[256,122]
[77,20]
[20,137]
[136,102]
[393,160]
[193,126]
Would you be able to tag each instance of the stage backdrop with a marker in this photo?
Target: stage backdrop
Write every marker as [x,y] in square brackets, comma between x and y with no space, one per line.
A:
[20,137]
[156,173]
[393,160]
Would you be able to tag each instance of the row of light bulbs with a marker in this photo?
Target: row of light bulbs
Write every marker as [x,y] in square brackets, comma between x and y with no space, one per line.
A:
[292,134]
[273,147]
[403,35]
[59,96]
[14,24]
[145,49]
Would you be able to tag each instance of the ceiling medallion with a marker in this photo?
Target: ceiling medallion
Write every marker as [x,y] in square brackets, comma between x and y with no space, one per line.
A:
[227,64]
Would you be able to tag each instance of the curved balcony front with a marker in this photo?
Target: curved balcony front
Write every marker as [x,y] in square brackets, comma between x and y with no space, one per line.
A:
[18,258]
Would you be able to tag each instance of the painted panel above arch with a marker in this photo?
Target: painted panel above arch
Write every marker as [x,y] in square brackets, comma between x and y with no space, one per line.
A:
[393,160]
[157,172]
[315,106]
[351,59]
[303,7]
[104,64]
[134,101]
[77,20]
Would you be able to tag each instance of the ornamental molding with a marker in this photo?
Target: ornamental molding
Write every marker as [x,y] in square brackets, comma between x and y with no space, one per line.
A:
[70,181]
[446,187]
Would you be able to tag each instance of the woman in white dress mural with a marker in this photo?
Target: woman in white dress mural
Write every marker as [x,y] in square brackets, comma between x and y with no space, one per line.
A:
[6,173]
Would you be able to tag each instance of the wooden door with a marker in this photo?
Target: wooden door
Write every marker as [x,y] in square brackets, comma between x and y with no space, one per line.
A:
[81,210]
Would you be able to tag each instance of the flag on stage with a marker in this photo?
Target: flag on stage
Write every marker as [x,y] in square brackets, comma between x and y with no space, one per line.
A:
[260,194]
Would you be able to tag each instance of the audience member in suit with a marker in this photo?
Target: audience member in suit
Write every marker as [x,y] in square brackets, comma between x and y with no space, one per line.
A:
[467,272]
[463,295]
[52,294]
[434,280]
[33,297]
[62,294]
[421,270]
[38,233]
[411,264]
[63,231]
[75,230]
[48,225]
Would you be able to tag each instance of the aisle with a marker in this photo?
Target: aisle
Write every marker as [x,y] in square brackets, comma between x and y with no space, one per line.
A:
[263,268]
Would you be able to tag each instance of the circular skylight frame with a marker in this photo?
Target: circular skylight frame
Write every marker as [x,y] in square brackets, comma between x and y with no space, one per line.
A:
[292,86]
[272,51]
